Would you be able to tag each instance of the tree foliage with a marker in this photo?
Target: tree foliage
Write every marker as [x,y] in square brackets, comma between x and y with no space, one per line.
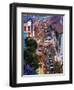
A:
[30,56]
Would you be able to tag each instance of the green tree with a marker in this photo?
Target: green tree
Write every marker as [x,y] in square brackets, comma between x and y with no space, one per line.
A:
[31,43]
[30,56]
